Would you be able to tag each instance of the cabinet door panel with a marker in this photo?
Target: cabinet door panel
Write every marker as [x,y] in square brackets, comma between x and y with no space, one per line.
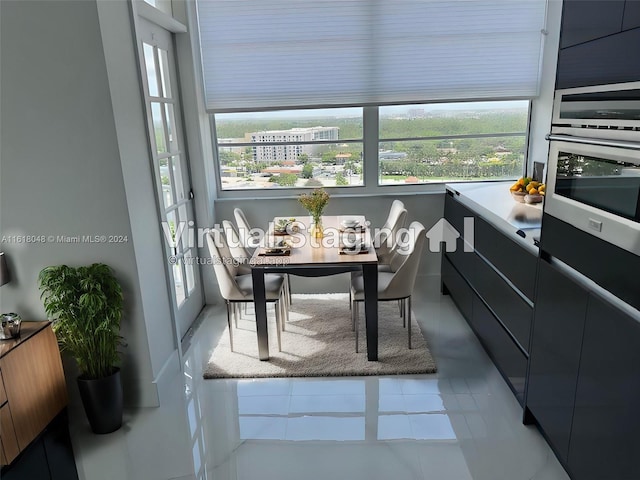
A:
[515,263]
[585,20]
[465,262]
[612,59]
[511,362]
[631,17]
[9,440]
[459,290]
[611,267]
[455,213]
[560,309]
[604,438]
[510,308]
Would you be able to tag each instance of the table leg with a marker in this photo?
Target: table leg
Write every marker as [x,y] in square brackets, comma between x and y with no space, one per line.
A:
[260,305]
[370,274]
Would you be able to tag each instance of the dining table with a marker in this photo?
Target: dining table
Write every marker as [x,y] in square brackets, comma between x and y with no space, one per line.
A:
[346,246]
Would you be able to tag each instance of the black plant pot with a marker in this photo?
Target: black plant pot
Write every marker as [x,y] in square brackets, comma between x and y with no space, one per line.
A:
[102,401]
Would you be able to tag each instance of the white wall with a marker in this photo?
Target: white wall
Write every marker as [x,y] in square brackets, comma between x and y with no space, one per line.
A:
[62,161]
[541,107]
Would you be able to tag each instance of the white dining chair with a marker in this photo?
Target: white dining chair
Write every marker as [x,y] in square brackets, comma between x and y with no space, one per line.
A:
[237,249]
[397,283]
[250,242]
[385,239]
[249,237]
[237,288]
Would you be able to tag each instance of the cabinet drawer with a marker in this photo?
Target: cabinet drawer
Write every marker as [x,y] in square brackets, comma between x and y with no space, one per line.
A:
[515,263]
[509,359]
[511,309]
[464,262]
[458,288]
[455,213]
[10,448]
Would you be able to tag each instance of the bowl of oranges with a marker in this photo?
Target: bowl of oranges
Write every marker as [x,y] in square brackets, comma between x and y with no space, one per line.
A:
[526,190]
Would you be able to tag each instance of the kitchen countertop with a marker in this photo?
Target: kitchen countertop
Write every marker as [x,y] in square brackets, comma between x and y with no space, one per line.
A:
[493,202]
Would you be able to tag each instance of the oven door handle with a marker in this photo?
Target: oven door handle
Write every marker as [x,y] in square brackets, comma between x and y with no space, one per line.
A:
[593,141]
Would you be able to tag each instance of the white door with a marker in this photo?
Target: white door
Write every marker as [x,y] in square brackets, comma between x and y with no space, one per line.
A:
[175,198]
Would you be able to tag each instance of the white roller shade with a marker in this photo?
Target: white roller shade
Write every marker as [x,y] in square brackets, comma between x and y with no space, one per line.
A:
[259,54]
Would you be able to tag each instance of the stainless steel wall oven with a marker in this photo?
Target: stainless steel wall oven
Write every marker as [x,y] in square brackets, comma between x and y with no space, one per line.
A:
[593,179]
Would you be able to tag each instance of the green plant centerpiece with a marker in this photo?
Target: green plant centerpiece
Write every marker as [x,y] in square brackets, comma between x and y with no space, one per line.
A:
[86,304]
[315,203]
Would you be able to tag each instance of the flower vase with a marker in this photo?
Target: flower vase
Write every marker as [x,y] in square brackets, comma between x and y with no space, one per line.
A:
[316,230]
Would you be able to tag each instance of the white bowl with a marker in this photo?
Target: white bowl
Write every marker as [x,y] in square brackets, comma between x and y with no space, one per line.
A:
[350,223]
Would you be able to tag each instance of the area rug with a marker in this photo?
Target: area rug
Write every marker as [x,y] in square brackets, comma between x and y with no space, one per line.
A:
[318,341]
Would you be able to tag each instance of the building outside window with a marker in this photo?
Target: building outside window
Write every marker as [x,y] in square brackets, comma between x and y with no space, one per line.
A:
[417,144]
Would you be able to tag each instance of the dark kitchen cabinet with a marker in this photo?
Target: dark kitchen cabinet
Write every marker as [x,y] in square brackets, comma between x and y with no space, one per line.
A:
[560,309]
[456,286]
[586,20]
[605,438]
[612,59]
[507,357]
[631,17]
[611,267]
[509,258]
[512,310]
[599,43]
[492,285]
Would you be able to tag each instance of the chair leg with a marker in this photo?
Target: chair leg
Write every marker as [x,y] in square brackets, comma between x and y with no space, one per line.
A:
[403,312]
[353,313]
[289,288]
[278,323]
[235,313]
[356,322]
[285,311]
[229,325]
[284,302]
[408,307]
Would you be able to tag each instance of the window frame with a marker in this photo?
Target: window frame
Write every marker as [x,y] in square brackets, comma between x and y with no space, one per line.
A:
[370,161]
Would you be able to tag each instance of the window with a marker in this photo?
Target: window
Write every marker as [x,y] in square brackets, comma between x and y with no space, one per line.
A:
[452,142]
[417,144]
[361,57]
[294,148]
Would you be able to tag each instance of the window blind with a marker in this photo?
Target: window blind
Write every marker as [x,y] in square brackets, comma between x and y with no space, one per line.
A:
[266,54]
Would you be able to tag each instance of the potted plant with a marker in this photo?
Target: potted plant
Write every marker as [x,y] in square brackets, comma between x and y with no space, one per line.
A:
[315,203]
[85,304]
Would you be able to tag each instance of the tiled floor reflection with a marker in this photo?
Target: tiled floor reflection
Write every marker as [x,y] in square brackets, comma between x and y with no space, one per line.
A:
[462,423]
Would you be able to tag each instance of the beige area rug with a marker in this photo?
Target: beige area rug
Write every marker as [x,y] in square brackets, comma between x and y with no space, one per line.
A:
[318,341]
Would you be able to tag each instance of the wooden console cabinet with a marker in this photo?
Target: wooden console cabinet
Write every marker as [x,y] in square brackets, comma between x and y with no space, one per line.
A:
[32,387]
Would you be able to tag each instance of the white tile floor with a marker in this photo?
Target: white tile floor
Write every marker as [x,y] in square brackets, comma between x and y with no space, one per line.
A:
[462,423]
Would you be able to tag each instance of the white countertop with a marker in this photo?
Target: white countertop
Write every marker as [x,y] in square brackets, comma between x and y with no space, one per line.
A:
[493,202]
